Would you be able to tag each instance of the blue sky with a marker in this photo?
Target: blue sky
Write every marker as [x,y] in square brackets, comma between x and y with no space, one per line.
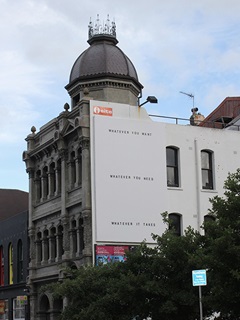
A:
[175,45]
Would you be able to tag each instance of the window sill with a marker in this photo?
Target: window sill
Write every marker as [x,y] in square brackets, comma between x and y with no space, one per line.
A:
[209,190]
[175,188]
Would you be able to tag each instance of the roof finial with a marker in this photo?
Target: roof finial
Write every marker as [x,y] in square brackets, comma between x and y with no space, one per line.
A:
[99,29]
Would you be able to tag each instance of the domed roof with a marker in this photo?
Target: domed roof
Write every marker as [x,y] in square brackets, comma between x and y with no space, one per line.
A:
[104,58]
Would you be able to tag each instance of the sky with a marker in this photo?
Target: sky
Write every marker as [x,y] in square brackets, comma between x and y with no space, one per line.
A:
[175,45]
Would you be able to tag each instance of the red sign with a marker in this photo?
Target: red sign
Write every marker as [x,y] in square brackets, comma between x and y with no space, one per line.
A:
[112,250]
[103,111]
[108,254]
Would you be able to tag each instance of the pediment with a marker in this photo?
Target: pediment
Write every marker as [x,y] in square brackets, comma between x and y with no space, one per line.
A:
[68,127]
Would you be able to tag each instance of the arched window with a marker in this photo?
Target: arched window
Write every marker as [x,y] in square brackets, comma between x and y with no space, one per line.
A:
[20,261]
[73,237]
[58,177]
[81,235]
[1,266]
[52,245]
[80,166]
[45,244]
[45,185]
[73,168]
[39,247]
[52,179]
[38,186]
[207,169]
[60,249]
[175,223]
[10,264]
[172,167]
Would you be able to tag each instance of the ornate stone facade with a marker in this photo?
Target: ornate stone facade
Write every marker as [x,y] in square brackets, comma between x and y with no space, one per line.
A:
[58,164]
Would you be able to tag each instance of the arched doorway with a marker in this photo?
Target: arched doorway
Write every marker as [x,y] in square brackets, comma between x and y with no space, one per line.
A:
[44,308]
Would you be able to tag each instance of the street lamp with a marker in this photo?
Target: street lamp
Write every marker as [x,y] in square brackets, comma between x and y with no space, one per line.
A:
[150,99]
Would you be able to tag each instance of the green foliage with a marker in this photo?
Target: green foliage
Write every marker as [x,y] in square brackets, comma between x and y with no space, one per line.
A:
[157,281]
[222,250]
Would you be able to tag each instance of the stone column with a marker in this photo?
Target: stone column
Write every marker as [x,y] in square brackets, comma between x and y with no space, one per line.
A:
[86,198]
[58,180]
[38,244]
[63,154]
[50,184]
[78,182]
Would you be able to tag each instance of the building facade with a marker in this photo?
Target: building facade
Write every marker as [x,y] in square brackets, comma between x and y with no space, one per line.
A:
[102,172]
[58,164]
[13,254]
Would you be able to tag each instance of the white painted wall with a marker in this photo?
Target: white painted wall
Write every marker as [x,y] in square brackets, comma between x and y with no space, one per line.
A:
[127,144]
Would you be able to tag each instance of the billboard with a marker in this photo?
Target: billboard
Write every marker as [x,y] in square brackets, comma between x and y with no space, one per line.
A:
[126,157]
[110,254]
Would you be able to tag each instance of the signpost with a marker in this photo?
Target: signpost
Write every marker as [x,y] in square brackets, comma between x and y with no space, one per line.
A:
[199,278]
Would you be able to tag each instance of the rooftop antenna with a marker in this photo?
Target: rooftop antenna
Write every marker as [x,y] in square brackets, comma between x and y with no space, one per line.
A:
[190,95]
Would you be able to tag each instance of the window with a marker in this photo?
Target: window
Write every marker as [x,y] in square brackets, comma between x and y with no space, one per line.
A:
[38,185]
[39,247]
[207,219]
[172,167]
[175,223]
[19,308]
[73,171]
[73,237]
[10,264]
[19,261]
[1,266]
[81,235]
[207,172]
[4,310]
[52,245]
[52,182]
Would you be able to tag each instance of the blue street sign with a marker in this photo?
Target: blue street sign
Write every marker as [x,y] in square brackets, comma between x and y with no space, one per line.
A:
[199,278]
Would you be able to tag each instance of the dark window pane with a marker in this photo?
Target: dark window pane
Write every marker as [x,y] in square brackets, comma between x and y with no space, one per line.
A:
[175,223]
[207,219]
[205,160]
[206,165]
[172,167]
[171,157]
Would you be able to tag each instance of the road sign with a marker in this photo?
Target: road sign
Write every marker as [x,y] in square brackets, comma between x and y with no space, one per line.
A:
[199,278]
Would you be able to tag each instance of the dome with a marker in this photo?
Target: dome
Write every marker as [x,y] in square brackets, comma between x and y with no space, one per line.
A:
[103,58]
[103,71]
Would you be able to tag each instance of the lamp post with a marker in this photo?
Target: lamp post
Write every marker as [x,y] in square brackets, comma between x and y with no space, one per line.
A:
[151,99]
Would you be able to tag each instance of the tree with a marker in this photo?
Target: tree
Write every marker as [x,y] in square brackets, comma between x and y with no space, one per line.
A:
[157,281]
[153,282]
[222,250]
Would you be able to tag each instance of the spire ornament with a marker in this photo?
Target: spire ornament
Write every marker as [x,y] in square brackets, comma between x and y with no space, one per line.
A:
[107,28]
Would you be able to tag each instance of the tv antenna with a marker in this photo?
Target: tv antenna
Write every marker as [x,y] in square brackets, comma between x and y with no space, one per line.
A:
[190,95]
